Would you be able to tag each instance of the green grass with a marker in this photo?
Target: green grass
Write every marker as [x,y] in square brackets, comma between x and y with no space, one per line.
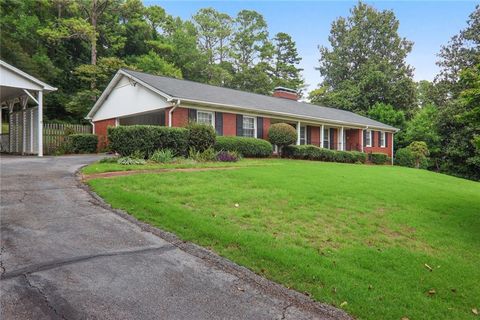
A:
[341,233]
[99,167]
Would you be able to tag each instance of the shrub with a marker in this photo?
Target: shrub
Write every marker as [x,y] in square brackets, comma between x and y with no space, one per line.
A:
[137,154]
[419,151]
[405,158]
[282,134]
[247,147]
[162,156]
[378,158]
[129,161]
[200,136]
[311,152]
[83,143]
[206,156]
[127,139]
[109,160]
[228,156]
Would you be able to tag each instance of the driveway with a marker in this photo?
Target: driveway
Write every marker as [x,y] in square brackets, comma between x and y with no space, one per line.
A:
[65,255]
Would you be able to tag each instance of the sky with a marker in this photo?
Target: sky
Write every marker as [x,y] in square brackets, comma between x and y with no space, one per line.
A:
[429,24]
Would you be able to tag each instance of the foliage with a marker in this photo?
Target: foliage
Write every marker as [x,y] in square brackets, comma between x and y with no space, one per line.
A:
[246,147]
[127,139]
[109,160]
[83,143]
[378,158]
[200,136]
[162,156]
[387,114]
[419,151]
[365,66]
[311,152]
[130,161]
[282,135]
[228,156]
[375,228]
[207,155]
[423,127]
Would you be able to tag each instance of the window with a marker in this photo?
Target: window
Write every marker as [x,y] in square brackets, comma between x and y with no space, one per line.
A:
[205,117]
[382,139]
[303,135]
[249,127]
[368,138]
[326,138]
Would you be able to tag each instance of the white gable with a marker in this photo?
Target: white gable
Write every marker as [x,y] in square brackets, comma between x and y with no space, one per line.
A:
[129,98]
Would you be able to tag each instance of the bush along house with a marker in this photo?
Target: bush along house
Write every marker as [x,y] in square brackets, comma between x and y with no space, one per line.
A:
[139,98]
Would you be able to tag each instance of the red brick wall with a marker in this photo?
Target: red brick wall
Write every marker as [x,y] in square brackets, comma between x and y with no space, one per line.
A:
[376,144]
[335,138]
[101,131]
[285,95]
[229,124]
[266,127]
[354,139]
[315,135]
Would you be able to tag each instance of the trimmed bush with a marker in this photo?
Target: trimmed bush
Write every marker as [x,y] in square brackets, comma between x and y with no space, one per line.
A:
[200,137]
[311,152]
[282,135]
[247,147]
[83,143]
[378,158]
[146,139]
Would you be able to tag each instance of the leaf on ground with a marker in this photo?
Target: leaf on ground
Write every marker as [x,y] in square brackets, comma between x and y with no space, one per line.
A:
[370,287]
[431,292]
[428,267]
[475,311]
[405,318]
[240,289]
[344,303]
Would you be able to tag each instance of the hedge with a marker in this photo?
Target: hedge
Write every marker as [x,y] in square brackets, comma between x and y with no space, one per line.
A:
[146,139]
[311,152]
[200,136]
[405,158]
[83,143]
[247,147]
[378,158]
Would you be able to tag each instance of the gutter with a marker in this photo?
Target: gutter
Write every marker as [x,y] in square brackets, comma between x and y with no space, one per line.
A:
[170,113]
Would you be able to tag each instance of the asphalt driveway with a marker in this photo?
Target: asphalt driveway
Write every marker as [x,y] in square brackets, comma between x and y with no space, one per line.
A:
[65,255]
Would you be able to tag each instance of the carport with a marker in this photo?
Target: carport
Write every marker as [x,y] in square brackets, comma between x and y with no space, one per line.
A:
[22,96]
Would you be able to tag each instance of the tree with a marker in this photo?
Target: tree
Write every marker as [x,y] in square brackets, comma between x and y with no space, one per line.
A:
[365,65]
[286,59]
[387,114]
[420,151]
[282,135]
[463,51]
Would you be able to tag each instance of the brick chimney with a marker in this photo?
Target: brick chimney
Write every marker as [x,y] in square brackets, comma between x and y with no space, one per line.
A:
[286,93]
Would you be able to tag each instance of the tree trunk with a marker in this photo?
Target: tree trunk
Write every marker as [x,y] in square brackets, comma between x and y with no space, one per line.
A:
[94,38]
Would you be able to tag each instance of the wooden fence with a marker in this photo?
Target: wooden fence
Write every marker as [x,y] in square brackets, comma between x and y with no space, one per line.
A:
[54,135]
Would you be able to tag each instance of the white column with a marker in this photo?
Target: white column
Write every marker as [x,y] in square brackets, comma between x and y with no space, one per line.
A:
[1,123]
[298,133]
[24,101]
[342,145]
[322,137]
[361,139]
[31,131]
[10,135]
[40,123]
[392,147]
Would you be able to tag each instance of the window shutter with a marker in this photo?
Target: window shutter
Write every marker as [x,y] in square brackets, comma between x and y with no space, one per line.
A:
[192,115]
[386,139]
[364,138]
[162,117]
[332,138]
[219,123]
[260,127]
[379,139]
[309,135]
[239,125]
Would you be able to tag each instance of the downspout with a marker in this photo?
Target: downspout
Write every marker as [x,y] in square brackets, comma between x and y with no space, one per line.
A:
[170,113]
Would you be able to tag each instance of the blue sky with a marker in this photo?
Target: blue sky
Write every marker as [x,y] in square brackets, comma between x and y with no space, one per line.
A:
[429,24]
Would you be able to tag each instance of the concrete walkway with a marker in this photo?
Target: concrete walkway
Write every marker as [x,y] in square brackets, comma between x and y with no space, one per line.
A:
[64,255]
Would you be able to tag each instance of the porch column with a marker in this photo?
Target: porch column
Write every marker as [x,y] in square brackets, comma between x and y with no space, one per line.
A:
[342,147]
[11,103]
[360,134]
[40,123]
[322,137]
[392,147]
[1,123]
[24,101]
[298,133]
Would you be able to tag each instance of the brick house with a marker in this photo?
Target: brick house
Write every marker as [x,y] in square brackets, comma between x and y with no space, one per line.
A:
[139,98]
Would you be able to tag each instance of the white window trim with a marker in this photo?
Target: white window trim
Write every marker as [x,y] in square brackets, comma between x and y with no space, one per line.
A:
[254,125]
[327,137]
[367,142]
[210,112]
[382,139]
[305,142]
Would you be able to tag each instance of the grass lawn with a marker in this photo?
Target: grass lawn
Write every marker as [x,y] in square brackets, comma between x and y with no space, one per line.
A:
[341,233]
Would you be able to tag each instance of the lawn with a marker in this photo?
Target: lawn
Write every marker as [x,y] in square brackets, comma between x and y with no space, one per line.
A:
[382,242]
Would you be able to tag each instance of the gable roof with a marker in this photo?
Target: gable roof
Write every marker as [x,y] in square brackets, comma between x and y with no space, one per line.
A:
[194,92]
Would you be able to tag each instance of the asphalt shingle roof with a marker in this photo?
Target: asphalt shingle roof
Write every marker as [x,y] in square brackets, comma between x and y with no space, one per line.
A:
[190,90]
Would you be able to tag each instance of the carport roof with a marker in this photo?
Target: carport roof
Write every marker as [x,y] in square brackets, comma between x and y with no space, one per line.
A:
[13,81]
